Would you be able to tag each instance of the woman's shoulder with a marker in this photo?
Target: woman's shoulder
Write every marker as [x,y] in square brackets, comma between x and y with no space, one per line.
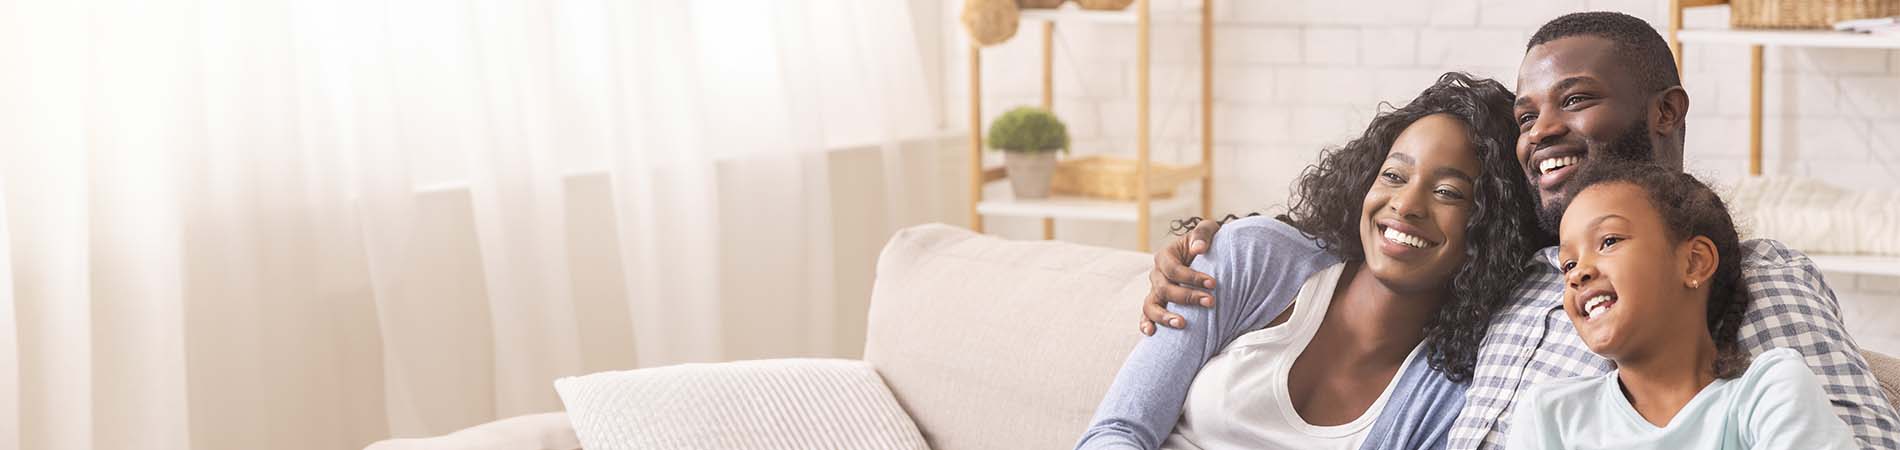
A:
[1262,264]
[1264,233]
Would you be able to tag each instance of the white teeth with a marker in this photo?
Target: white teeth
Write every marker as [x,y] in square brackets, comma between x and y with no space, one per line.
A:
[1596,305]
[1408,240]
[1557,163]
[1593,312]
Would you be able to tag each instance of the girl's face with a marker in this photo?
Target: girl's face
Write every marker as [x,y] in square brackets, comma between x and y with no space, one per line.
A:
[1624,277]
[1413,220]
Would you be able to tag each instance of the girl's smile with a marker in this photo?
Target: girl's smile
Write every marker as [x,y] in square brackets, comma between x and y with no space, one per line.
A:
[1596,303]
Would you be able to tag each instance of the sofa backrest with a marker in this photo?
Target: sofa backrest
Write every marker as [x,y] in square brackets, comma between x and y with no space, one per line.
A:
[990,343]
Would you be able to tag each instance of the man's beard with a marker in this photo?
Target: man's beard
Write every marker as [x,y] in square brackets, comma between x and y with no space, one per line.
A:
[1633,146]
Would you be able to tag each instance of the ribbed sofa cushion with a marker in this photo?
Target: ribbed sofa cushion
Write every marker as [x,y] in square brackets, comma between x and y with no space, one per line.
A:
[765,404]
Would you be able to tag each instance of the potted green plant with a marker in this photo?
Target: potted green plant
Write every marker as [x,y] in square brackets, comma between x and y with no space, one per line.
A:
[1029,138]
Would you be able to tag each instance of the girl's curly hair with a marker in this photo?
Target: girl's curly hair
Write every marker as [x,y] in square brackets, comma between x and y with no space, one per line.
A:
[1690,208]
[1329,196]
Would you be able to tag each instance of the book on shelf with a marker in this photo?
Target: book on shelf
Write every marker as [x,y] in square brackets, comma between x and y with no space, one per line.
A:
[1877,25]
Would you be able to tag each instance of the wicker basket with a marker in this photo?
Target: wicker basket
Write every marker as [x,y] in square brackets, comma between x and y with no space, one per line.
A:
[1105,5]
[1816,14]
[1114,178]
[1039,4]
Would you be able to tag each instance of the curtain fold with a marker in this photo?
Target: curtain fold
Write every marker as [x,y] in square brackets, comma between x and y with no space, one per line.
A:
[299,224]
[9,338]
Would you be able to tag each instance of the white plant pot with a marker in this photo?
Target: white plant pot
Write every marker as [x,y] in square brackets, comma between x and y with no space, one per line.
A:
[1029,173]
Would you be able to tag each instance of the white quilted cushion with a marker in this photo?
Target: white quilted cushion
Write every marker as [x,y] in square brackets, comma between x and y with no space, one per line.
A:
[1811,215]
[766,404]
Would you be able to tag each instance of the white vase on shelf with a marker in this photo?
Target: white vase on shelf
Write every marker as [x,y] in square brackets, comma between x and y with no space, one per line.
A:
[1030,172]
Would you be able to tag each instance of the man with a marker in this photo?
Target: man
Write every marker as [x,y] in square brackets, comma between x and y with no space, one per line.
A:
[1600,86]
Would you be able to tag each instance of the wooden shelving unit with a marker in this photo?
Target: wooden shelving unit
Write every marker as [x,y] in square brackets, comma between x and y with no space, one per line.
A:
[1757,40]
[988,196]
[1789,38]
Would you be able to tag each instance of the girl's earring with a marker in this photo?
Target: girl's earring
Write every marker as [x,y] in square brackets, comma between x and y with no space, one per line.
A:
[1695,284]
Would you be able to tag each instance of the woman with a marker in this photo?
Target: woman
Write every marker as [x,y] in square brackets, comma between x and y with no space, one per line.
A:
[1651,262]
[1321,312]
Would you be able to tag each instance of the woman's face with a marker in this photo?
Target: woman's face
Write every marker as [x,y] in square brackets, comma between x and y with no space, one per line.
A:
[1413,222]
[1622,271]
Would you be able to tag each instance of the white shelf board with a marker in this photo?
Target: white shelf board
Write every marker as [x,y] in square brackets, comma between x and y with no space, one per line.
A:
[1789,38]
[1858,264]
[1070,12]
[998,201]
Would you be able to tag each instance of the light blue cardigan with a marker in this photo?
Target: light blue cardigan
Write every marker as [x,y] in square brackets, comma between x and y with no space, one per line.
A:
[1260,264]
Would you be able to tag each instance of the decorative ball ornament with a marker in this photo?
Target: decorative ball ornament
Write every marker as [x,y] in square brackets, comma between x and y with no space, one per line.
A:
[990,22]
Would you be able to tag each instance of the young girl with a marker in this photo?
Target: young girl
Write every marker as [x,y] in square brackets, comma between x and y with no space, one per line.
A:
[1650,260]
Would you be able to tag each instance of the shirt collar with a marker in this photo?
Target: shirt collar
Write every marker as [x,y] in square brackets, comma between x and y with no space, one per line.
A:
[1548,258]
[1546,278]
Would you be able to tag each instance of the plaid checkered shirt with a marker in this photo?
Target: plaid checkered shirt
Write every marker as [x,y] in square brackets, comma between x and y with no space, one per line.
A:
[1532,340]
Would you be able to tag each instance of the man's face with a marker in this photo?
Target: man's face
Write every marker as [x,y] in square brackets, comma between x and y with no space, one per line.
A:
[1576,104]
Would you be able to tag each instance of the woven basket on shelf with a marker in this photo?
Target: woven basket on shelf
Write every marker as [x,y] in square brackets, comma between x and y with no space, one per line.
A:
[1114,178]
[1815,14]
[1105,5]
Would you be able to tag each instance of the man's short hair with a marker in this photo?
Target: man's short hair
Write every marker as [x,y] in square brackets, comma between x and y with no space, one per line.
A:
[1638,46]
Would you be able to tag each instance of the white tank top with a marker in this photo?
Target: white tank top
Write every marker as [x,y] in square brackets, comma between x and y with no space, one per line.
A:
[1239,398]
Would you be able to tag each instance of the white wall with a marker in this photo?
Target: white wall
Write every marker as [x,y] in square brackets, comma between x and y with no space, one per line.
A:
[1293,76]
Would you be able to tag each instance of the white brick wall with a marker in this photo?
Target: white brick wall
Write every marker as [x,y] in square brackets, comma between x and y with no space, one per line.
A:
[1293,76]
[1300,75]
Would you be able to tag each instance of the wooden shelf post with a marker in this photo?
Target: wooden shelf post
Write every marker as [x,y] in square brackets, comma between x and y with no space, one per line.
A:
[1675,25]
[976,135]
[1048,98]
[1142,195]
[1754,110]
[1676,8]
[1207,108]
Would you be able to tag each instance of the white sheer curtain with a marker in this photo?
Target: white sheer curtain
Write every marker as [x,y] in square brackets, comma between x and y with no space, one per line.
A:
[310,224]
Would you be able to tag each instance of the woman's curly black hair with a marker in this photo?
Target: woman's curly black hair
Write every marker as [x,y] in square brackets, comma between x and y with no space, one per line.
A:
[1688,209]
[1328,199]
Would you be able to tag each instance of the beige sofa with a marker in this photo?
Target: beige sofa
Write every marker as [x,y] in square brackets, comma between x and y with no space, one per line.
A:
[986,343]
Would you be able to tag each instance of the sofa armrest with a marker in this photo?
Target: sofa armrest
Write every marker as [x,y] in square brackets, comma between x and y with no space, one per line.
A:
[545,431]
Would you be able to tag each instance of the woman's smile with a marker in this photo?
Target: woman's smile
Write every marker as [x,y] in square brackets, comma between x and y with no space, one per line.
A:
[1400,241]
